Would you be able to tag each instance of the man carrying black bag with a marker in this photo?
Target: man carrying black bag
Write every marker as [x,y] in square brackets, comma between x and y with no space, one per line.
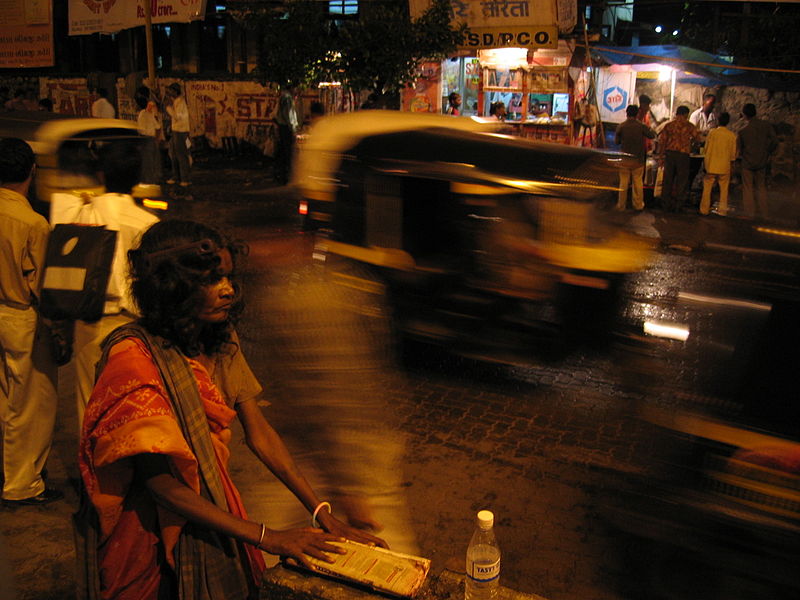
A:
[119,164]
[28,393]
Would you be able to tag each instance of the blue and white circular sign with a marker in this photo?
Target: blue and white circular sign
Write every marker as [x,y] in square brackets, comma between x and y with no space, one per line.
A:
[615,99]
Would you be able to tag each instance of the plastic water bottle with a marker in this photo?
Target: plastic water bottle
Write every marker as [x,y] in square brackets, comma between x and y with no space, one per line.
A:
[483,560]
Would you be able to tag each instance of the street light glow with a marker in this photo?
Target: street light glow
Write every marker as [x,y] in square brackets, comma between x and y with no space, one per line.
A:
[673,331]
[659,29]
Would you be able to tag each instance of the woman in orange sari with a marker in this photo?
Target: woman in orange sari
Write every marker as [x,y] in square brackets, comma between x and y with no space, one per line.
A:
[169,522]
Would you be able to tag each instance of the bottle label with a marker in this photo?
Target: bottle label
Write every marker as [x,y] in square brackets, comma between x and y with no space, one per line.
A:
[483,572]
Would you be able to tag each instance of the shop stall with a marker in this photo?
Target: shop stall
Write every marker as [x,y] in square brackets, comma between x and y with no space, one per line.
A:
[512,53]
[533,85]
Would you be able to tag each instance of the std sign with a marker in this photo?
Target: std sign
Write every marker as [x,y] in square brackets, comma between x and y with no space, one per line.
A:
[615,99]
[535,36]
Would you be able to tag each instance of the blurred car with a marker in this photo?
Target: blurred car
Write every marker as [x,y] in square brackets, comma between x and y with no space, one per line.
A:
[494,247]
[64,146]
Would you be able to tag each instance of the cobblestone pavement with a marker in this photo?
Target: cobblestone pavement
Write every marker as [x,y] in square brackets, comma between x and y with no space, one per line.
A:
[544,447]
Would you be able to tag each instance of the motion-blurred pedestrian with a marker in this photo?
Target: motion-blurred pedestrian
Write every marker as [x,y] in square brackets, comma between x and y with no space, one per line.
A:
[288,124]
[719,154]
[331,334]
[315,112]
[756,143]
[120,165]
[28,377]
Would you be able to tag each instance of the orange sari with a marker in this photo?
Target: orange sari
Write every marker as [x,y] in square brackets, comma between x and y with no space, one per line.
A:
[129,414]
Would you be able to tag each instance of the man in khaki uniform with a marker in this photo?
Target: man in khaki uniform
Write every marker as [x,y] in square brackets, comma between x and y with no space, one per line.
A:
[28,373]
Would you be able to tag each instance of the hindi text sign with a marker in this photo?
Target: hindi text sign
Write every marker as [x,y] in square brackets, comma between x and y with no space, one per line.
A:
[110,16]
[26,34]
[530,23]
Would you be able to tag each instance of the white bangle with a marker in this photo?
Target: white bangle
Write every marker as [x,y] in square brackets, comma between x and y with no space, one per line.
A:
[316,512]
[261,538]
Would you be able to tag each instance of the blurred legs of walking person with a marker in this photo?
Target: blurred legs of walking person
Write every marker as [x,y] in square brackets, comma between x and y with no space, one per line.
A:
[284,154]
[179,155]
[632,178]
[724,180]
[379,499]
[676,175]
[332,333]
[28,400]
[754,186]
[151,161]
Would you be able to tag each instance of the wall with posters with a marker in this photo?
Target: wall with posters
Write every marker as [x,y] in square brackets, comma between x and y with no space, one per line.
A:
[26,34]
[426,93]
[242,109]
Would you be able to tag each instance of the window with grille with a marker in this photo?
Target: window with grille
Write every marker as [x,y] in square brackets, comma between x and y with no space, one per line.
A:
[343,7]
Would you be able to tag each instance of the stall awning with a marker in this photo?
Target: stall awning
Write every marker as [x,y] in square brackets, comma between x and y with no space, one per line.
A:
[696,66]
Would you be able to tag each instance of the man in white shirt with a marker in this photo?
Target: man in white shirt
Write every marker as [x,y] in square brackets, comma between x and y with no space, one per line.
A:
[148,122]
[120,165]
[102,108]
[704,118]
[720,152]
[178,112]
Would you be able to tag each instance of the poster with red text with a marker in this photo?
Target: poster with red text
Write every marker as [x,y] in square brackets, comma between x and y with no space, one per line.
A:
[110,16]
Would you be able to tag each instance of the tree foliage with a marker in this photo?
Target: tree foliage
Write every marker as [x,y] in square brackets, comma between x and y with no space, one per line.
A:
[294,40]
[380,51]
[383,49]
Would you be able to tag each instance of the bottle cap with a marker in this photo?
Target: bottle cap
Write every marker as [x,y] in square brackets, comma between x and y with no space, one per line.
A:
[485,519]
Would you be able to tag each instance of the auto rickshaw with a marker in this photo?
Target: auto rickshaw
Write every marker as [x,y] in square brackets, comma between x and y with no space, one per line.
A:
[494,247]
[64,146]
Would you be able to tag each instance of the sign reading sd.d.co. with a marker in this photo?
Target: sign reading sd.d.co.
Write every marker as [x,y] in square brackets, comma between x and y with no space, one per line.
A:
[535,36]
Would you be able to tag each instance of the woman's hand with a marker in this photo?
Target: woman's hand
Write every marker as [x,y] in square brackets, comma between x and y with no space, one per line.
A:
[301,543]
[336,527]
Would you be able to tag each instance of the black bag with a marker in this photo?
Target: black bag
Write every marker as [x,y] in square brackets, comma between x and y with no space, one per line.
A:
[77,269]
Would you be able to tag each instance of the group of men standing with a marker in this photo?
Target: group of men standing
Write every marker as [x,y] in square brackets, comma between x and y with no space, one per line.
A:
[702,131]
[149,121]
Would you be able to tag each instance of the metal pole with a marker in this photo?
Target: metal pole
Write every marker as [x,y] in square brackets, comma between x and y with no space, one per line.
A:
[672,95]
[148,34]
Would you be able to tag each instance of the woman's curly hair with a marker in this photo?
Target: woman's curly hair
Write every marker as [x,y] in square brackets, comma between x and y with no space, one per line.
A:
[174,261]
